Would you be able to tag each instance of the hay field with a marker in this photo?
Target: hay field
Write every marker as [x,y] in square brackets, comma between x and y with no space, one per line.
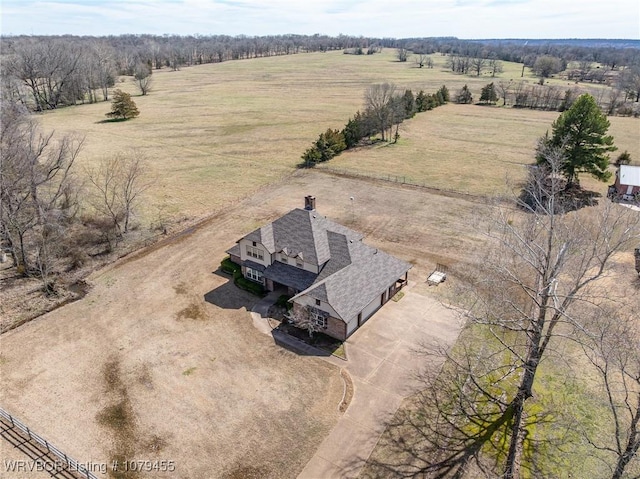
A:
[215,133]
[471,148]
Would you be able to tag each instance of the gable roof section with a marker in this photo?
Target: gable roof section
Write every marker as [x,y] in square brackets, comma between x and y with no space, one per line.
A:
[629,175]
[301,233]
[349,289]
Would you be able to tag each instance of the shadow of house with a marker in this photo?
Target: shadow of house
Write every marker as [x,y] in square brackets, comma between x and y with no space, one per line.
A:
[296,345]
[229,296]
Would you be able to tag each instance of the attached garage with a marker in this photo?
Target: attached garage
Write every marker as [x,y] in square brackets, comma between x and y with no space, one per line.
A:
[370,308]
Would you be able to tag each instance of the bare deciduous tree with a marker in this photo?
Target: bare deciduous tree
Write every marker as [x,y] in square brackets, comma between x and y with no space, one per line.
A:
[119,182]
[143,78]
[38,194]
[504,88]
[423,60]
[478,65]
[611,341]
[529,290]
[302,317]
[496,66]
[379,104]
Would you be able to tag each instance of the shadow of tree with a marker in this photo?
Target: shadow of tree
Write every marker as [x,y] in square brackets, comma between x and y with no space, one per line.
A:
[112,120]
[567,200]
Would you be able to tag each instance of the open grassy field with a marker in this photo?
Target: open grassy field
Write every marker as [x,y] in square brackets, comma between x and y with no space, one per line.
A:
[472,148]
[215,133]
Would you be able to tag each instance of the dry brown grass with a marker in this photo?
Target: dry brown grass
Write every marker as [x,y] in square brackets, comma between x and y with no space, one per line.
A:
[472,148]
[215,133]
[121,354]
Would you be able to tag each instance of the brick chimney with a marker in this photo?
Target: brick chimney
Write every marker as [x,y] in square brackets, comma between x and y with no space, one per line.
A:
[310,203]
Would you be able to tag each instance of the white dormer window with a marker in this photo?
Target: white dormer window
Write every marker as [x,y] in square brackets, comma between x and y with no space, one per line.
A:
[255,252]
[299,263]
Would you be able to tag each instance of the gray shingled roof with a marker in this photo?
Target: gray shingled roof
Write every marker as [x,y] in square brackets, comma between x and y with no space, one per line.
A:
[369,273]
[301,231]
[253,265]
[234,250]
[351,274]
[290,275]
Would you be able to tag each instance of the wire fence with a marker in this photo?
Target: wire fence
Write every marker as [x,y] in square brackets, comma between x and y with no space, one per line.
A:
[401,179]
[49,453]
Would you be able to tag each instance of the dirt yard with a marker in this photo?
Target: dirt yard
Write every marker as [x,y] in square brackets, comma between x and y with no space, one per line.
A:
[160,360]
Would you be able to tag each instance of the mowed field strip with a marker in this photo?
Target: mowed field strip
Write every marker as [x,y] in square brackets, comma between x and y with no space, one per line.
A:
[215,133]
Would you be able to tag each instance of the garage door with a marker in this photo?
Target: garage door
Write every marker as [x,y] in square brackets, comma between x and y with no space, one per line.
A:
[370,308]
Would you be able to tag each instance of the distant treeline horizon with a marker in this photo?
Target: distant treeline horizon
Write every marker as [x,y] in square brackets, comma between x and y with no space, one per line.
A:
[49,71]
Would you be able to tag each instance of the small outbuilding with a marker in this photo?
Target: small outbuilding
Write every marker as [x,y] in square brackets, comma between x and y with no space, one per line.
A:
[627,185]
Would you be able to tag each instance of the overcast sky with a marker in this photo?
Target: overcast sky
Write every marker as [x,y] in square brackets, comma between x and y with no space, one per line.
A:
[377,18]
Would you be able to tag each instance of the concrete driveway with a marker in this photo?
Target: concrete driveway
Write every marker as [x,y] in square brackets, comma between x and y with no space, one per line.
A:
[381,360]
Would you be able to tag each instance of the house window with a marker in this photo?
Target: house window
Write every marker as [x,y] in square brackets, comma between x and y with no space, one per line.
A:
[299,263]
[254,274]
[255,252]
[319,318]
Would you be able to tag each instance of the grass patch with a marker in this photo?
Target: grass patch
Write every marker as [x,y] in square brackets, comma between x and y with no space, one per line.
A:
[189,371]
[119,419]
[193,311]
[398,296]
[180,288]
[116,416]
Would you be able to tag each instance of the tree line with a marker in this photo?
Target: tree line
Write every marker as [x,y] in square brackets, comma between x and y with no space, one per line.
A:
[42,225]
[384,110]
[523,94]
[612,54]
[47,72]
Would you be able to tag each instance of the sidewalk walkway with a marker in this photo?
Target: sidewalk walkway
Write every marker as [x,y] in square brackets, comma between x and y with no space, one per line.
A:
[260,317]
